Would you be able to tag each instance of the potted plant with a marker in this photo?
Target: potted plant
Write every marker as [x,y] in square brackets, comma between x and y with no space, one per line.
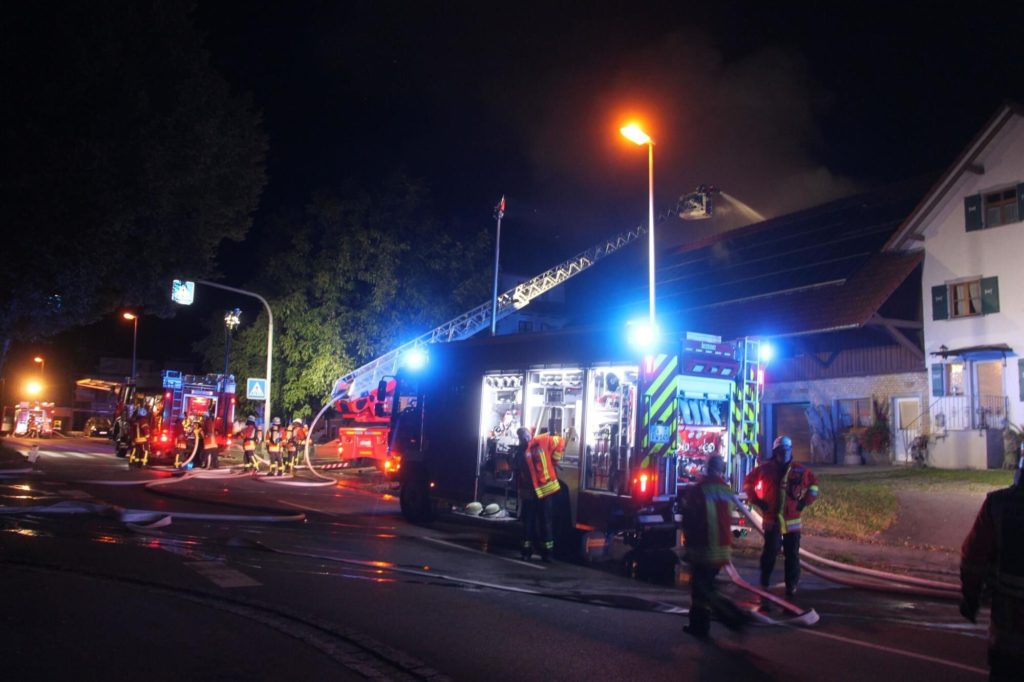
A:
[876,439]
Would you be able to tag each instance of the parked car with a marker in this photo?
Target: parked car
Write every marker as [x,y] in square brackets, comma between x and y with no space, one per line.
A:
[97,426]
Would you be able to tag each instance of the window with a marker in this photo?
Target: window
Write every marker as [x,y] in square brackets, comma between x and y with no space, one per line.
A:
[948,379]
[1001,208]
[994,208]
[965,299]
[854,413]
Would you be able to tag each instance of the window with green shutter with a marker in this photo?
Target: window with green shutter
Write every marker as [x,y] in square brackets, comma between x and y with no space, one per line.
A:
[993,208]
[938,380]
[989,295]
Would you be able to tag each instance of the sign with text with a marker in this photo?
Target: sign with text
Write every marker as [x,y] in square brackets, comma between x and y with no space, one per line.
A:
[256,389]
[183,291]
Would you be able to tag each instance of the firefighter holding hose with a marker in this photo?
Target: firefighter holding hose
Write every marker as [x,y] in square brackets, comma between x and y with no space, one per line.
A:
[275,446]
[139,454]
[707,524]
[993,555]
[251,436]
[295,436]
[781,488]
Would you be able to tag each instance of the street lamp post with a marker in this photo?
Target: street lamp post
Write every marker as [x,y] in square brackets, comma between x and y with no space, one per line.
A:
[635,134]
[42,364]
[135,337]
[231,320]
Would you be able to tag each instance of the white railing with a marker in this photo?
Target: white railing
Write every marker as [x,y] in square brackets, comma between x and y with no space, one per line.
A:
[964,412]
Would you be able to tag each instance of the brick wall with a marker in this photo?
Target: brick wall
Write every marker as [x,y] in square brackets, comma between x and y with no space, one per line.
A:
[825,392]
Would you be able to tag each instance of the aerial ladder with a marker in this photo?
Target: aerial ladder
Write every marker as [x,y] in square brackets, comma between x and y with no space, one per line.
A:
[696,205]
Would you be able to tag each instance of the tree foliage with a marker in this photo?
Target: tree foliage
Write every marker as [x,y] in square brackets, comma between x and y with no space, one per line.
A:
[348,279]
[128,159]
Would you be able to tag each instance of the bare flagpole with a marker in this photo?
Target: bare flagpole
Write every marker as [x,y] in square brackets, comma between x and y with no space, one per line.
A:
[499,213]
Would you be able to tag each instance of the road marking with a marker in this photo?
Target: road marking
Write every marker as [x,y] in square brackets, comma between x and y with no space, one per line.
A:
[312,509]
[892,650]
[221,575]
[477,551]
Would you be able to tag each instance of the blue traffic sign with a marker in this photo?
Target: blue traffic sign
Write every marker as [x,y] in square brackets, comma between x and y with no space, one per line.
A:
[256,389]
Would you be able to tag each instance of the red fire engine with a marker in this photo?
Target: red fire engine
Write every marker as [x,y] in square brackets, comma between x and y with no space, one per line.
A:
[195,397]
[363,435]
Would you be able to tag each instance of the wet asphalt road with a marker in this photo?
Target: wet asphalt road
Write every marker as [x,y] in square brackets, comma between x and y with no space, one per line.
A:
[226,581]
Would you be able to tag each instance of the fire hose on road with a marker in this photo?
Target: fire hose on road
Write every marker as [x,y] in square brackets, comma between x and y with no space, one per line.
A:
[864,578]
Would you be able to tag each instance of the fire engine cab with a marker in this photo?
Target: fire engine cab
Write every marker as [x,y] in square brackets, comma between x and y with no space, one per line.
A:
[637,429]
[33,420]
[363,434]
[196,397]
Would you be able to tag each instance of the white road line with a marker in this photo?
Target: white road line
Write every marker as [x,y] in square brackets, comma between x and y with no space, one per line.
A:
[892,650]
[312,509]
[222,575]
[477,551]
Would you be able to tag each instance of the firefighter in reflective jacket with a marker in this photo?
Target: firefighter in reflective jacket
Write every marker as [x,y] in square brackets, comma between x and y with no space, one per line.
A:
[275,446]
[210,452]
[993,555]
[781,488]
[295,437]
[140,438]
[538,483]
[707,510]
[251,437]
[181,449]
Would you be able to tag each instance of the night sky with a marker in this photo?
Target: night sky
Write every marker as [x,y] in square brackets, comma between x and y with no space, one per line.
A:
[783,108]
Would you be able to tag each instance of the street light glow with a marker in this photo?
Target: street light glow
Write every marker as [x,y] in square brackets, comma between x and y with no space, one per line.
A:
[635,134]
[128,316]
[33,388]
[38,359]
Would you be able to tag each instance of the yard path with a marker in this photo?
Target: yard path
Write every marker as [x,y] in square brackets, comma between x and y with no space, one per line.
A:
[937,517]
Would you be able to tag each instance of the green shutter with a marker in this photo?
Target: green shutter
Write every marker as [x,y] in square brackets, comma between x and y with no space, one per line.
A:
[940,304]
[1020,376]
[938,380]
[989,295]
[972,213]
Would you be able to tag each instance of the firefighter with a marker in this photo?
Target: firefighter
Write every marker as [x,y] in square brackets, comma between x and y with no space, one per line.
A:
[180,441]
[251,437]
[707,509]
[538,483]
[295,436]
[275,444]
[992,555]
[139,453]
[209,435]
[780,488]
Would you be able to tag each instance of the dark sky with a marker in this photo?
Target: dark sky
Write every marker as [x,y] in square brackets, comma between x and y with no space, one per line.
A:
[781,107]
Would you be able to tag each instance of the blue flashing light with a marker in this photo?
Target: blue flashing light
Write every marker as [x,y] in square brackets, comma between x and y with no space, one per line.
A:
[767,352]
[643,335]
[415,358]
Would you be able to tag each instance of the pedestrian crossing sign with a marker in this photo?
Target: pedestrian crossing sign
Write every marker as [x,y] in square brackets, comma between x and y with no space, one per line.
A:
[256,389]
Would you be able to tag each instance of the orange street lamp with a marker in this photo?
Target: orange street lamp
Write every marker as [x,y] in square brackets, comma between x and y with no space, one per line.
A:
[636,135]
[33,388]
[135,337]
[42,364]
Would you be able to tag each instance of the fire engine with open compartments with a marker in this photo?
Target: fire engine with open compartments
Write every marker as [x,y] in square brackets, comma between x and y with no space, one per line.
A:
[637,429]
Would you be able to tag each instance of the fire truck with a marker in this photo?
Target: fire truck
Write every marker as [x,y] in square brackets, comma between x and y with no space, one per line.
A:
[363,434]
[33,419]
[196,397]
[637,429]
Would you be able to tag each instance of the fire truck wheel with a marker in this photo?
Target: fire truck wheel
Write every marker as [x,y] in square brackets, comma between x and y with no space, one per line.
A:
[414,498]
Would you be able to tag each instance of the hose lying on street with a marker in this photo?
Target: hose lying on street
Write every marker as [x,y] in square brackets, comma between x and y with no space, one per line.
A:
[871,579]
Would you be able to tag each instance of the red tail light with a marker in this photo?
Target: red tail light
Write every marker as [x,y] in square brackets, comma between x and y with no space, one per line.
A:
[643,486]
[163,437]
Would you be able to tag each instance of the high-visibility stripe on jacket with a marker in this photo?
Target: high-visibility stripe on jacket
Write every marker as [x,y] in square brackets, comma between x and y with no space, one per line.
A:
[295,436]
[539,461]
[210,435]
[781,491]
[707,521]
[140,431]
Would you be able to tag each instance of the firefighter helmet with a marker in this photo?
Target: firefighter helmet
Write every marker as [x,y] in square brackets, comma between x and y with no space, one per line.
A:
[297,421]
[783,447]
[474,508]
[251,419]
[276,421]
[143,411]
[490,510]
[716,465]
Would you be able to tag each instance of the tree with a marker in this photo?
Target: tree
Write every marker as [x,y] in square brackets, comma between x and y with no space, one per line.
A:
[349,279]
[128,160]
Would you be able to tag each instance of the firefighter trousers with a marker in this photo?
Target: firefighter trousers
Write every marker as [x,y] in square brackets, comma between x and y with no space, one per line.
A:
[705,600]
[276,463]
[249,460]
[538,525]
[790,544]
